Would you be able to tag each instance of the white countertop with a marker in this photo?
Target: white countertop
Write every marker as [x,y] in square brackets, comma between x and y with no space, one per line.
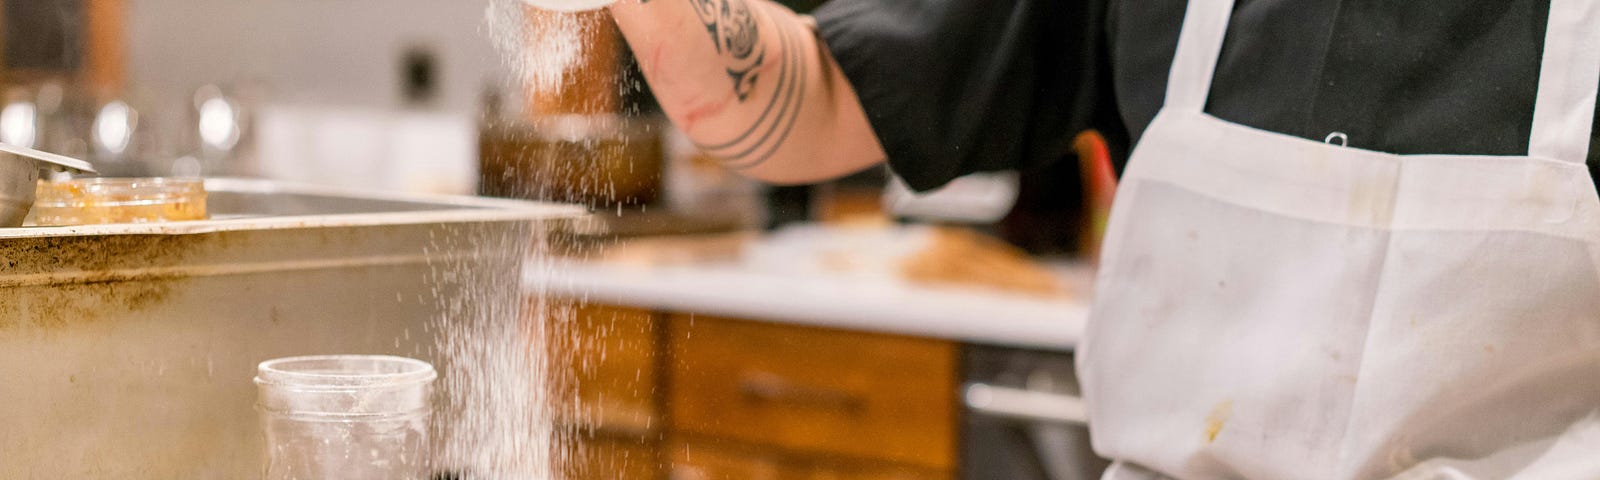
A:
[875,304]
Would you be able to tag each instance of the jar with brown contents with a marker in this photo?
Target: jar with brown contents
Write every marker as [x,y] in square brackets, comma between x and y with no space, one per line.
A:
[118,200]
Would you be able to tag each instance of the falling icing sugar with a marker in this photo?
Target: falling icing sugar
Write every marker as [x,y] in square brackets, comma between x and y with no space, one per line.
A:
[538,45]
[500,411]
[505,408]
[498,407]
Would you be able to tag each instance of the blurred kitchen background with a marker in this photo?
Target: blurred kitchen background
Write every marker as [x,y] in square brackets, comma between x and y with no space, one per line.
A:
[848,330]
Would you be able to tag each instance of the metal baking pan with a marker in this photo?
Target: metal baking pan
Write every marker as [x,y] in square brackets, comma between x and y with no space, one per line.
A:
[127,351]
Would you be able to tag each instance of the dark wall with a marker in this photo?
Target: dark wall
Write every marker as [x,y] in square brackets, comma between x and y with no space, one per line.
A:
[43,34]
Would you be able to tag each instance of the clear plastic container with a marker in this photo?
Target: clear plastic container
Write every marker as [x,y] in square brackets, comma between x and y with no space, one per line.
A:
[346,417]
[84,201]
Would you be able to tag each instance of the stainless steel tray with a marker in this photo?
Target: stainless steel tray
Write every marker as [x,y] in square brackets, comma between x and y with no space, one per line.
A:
[127,351]
[242,204]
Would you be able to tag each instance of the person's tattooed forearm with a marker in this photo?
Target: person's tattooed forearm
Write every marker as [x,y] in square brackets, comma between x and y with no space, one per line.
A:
[735,32]
[778,117]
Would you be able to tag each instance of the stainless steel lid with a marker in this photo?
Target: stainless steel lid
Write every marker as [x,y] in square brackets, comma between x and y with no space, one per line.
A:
[19,173]
[48,159]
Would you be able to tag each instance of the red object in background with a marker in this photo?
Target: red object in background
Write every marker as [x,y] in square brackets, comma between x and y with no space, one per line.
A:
[1100,182]
[1062,207]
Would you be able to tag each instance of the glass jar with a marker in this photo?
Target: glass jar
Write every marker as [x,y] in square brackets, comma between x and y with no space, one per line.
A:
[346,417]
[84,201]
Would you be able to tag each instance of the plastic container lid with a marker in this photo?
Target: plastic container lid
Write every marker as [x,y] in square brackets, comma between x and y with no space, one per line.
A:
[344,385]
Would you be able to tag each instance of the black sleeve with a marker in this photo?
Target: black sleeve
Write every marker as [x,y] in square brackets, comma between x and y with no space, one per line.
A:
[953,87]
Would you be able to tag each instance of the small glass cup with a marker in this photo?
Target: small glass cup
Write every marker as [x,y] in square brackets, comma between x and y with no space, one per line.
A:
[347,417]
[84,201]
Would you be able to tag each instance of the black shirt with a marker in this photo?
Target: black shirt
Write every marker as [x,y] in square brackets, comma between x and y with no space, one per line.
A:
[959,86]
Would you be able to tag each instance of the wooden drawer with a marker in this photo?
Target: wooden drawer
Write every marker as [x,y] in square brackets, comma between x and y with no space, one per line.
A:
[814,390]
[605,457]
[700,461]
[612,361]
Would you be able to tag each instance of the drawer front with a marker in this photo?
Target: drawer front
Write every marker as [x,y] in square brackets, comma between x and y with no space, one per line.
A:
[700,461]
[612,354]
[613,458]
[814,390]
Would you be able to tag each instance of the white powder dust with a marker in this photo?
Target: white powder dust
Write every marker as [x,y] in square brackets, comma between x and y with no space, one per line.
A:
[505,407]
[539,46]
[498,411]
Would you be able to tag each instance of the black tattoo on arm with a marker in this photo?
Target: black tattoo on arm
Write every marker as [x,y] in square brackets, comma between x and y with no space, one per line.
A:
[735,30]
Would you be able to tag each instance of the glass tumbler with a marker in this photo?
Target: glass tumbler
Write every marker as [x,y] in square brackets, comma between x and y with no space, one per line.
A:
[345,417]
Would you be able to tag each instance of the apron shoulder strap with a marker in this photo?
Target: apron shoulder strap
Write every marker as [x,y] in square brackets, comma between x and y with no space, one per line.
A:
[1205,23]
[1569,76]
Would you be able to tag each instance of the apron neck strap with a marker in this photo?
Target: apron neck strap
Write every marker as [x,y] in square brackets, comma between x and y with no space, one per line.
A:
[1568,78]
[1199,43]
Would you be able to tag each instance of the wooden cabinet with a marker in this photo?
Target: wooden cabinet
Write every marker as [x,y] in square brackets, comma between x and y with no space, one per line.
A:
[612,358]
[610,457]
[702,461]
[686,397]
[814,390]
[613,365]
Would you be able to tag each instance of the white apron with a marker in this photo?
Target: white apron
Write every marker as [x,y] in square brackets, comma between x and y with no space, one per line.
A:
[1270,307]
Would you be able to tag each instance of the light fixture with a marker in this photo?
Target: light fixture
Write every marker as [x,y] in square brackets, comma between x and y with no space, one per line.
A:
[113,127]
[219,123]
[19,124]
